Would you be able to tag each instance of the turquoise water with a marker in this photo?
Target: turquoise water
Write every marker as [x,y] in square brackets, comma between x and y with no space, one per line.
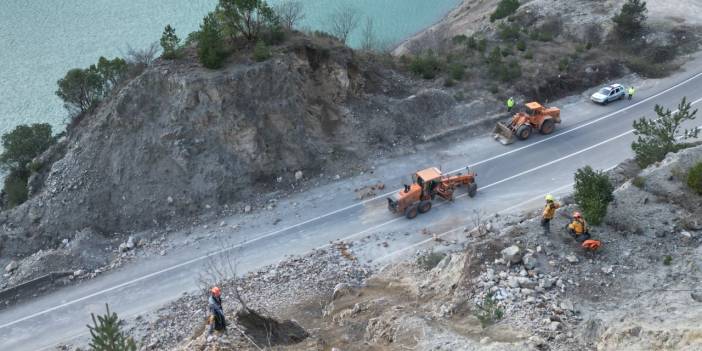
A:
[42,39]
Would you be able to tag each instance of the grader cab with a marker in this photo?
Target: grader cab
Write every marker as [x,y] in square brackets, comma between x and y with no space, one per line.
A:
[536,117]
[426,185]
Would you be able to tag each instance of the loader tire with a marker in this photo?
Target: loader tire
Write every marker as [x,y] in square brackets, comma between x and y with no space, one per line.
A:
[411,212]
[524,132]
[424,206]
[472,189]
[547,127]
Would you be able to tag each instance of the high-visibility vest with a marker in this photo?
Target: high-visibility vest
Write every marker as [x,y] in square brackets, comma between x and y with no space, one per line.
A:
[550,210]
[578,226]
[510,103]
[631,91]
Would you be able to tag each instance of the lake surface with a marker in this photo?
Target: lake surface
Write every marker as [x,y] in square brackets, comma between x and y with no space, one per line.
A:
[42,39]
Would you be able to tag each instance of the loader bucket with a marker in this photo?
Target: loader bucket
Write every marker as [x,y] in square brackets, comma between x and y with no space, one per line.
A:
[503,134]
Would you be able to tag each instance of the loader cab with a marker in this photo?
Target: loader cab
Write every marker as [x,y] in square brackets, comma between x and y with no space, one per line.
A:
[534,108]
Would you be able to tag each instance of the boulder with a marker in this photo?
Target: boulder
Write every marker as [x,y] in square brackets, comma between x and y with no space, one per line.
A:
[512,254]
[529,261]
[572,259]
[298,175]
[13,265]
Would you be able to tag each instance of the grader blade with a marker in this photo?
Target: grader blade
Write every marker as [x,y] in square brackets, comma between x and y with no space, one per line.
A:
[503,134]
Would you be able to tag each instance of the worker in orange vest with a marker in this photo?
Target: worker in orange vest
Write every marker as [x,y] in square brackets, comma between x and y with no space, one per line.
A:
[549,212]
[578,228]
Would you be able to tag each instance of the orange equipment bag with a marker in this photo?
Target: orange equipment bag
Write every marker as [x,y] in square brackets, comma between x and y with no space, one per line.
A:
[591,245]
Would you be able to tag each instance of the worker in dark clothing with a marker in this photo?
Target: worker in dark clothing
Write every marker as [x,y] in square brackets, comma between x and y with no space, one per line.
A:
[215,321]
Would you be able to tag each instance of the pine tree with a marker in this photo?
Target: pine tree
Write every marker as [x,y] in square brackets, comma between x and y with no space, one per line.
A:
[170,43]
[210,45]
[106,334]
[657,137]
[630,20]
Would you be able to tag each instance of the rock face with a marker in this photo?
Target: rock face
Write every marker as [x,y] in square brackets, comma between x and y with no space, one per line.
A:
[194,136]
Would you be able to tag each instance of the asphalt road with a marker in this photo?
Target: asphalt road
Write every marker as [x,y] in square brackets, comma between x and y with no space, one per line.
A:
[510,178]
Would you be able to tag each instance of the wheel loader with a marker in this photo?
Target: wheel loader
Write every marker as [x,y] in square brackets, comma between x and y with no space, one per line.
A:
[523,124]
[426,185]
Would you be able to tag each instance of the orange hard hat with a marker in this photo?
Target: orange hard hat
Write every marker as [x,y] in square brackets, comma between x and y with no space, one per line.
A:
[216,291]
[577,215]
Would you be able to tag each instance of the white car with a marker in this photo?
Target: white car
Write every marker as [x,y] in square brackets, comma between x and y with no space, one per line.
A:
[608,94]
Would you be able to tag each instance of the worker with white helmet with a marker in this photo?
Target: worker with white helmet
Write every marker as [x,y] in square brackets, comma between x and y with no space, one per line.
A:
[549,213]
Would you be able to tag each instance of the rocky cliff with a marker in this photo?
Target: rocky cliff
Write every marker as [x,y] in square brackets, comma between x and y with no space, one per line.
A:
[180,139]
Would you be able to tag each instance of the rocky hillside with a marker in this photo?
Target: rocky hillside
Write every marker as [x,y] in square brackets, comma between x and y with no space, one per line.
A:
[180,140]
[514,288]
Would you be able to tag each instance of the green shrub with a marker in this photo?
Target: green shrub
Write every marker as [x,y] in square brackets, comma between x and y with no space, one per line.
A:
[593,192]
[482,44]
[668,260]
[472,44]
[529,55]
[429,260]
[459,39]
[426,66]
[449,82]
[588,46]
[563,64]
[506,52]
[647,68]
[504,9]
[16,188]
[659,136]
[639,182]
[210,45]
[488,312]
[261,51]
[629,22]
[275,35]
[521,45]
[170,43]
[23,144]
[457,71]
[694,178]
[508,31]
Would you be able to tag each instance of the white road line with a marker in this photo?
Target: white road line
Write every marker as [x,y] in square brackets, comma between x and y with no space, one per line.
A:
[247,242]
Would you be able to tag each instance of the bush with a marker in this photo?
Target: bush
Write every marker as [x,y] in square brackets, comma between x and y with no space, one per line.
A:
[529,55]
[659,136]
[521,45]
[16,188]
[563,64]
[508,31]
[23,144]
[80,90]
[506,52]
[472,44]
[504,9]
[261,51]
[274,35]
[489,313]
[170,43]
[645,67]
[639,182]
[106,334]
[593,192]
[426,66]
[629,22]
[459,39]
[667,260]
[430,260]
[694,178]
[457,71]
[482,45]
[210,45]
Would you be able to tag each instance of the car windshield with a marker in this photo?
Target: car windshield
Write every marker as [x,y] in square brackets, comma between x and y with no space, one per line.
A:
[604,91]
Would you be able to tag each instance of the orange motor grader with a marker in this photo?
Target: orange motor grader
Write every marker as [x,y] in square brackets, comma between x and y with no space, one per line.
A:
[426,185]
[536,117]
